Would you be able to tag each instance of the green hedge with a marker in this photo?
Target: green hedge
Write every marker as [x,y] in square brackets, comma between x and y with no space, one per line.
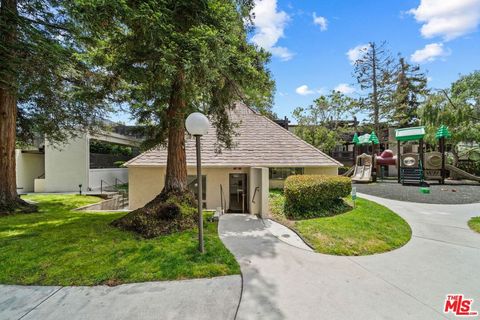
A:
[310,196]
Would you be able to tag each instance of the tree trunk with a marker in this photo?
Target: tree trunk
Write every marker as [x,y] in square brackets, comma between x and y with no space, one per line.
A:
[176,175]
[8,109]
[8,185]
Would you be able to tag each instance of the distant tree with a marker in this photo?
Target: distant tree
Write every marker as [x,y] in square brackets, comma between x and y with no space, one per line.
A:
[175,57]
[44,88]
[411,90]
[457,107]
[321,124]
[373,71]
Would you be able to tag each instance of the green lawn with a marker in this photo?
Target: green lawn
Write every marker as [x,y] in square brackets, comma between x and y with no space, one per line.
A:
[58,246]
[369,228]
[474,224]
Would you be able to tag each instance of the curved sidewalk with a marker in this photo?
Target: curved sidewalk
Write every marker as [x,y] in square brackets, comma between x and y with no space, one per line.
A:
[284,282]
[215,298]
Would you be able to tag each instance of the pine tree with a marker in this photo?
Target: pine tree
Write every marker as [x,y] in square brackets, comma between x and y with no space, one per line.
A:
[44,88]
[373,71]
[175,57]
[411,91]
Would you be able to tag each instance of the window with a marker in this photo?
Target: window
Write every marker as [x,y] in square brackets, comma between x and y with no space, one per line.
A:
[192,186]
[283,173]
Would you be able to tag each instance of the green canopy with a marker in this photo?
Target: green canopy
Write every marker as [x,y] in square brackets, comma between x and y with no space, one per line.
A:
[374,138]
[410,134]
[355,138]
[442,132]
[364,139]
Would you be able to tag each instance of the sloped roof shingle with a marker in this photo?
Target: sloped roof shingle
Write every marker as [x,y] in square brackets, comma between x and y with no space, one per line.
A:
[260,142]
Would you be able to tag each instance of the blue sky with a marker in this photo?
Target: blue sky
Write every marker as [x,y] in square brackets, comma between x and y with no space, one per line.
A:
[313,56]
[310,55]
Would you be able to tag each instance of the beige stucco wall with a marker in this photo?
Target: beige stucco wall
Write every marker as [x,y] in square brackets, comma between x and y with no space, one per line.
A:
[66,166]
[29,166]
[146,182]
[330,171]
[143,185]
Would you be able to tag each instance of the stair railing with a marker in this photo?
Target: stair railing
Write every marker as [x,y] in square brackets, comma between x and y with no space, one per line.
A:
[255,194]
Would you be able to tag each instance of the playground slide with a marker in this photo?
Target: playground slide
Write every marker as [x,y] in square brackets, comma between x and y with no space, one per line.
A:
[462,173]
[349,172]
[362,173]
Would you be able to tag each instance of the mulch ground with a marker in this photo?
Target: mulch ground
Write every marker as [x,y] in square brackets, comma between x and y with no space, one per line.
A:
[453,192]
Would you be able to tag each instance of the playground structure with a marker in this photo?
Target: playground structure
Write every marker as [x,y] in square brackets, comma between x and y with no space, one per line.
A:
[412,168]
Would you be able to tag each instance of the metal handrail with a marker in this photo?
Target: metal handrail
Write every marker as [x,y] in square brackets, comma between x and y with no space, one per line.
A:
[255,194]
[101,185]
[118,180]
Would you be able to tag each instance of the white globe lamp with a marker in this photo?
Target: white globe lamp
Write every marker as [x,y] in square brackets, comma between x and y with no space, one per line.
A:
[197,124]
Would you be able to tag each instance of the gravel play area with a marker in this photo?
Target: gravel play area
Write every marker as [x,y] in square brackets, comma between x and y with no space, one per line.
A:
[451,193]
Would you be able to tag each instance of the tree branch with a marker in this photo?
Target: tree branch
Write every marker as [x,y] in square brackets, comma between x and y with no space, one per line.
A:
[453,105]
[46,24]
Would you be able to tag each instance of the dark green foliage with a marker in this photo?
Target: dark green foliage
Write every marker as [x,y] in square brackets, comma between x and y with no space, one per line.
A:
[58,94]
[411,90]
[309,196]
[164,51]
[323,123]
[458,108]
[161,216]
[373,71]
[343,170]
[97,146]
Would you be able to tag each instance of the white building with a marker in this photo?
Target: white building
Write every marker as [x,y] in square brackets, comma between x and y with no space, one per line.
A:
[63,168]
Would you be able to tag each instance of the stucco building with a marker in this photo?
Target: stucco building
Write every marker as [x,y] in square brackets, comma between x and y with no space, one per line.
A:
[45,167]
[238,179]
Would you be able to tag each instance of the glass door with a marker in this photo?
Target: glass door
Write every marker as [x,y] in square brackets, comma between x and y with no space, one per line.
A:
[238,192]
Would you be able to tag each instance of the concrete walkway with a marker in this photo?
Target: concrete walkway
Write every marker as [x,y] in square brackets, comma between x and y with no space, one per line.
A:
[281,281]
[215,298]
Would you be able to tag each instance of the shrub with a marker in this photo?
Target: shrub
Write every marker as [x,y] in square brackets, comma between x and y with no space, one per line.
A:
[310,196]
[343,169]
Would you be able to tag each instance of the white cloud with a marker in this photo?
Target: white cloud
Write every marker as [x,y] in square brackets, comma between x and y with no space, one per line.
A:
[304,90]
[320,21]
[356,53]
[344,88]
[269,26]
[447,18]
[281,52]
[429,53]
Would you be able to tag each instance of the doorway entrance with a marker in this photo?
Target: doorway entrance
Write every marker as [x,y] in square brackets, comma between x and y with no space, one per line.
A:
[238,192]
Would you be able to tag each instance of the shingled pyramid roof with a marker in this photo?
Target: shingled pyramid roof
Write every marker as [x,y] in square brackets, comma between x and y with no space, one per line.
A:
[260,142]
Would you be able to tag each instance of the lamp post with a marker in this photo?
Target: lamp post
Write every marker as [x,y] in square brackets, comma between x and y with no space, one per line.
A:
[197,125]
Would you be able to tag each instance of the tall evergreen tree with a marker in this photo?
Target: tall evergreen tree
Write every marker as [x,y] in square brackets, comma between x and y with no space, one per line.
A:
[44,88]
[411,90]
[373,71]
[175,57]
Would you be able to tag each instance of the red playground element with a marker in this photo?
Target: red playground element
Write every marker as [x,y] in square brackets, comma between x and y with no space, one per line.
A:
[386,158]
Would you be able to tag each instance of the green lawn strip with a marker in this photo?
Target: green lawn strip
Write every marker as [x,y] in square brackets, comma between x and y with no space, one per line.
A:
[474,224]
[58,246]
[369,228]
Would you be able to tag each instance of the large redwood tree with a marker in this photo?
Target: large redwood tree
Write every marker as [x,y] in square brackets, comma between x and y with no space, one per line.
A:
[44,88]
[175,57]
